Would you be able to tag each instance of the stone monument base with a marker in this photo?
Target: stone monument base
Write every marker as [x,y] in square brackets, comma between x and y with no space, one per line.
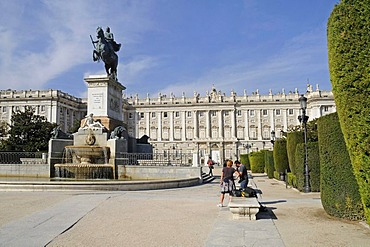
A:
[108,123]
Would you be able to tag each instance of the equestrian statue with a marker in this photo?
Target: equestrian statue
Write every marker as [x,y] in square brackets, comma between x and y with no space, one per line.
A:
[105,49]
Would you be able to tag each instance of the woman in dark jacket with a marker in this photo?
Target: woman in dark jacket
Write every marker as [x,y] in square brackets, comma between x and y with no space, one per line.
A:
[227,181]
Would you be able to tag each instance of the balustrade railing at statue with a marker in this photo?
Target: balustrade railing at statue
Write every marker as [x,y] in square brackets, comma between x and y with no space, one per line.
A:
[158,159]
[15,157]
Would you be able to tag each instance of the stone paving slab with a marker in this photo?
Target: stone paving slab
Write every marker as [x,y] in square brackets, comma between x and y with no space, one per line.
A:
[175,217]
[228,232]
[41,227]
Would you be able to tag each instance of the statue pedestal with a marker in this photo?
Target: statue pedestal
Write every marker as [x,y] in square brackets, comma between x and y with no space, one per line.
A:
[104,100]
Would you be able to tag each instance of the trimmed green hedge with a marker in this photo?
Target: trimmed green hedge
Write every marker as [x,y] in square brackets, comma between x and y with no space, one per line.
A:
[349,65]
[257,161]
[293,138]
[313,165]
[340,196]
[269,164]
[280,156]
[292,180]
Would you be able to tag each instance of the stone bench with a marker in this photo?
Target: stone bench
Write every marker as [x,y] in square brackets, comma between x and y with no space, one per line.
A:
[244,208]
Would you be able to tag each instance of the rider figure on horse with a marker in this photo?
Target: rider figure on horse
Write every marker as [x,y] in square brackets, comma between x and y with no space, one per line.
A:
[105,49]
[110,38]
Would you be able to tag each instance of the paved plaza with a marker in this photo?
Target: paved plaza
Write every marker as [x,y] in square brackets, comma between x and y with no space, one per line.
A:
[174,217]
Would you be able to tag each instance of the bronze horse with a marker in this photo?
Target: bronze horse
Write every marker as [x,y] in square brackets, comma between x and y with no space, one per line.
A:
[104,51]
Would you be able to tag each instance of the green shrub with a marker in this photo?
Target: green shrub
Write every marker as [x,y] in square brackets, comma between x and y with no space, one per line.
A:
[280,156]
[292,180]
[293,138]
[269,164]
[340,196]
[349,65]
[313,166]
[257,162]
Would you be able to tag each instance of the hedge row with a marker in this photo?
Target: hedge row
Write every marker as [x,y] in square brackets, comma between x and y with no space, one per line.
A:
[313,165]
[269,164]
[349,65]
[280,156]
[257,162]
[293,138]
[340,195]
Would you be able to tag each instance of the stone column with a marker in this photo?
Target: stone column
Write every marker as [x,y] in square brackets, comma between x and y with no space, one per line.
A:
[171,126]
[259,124]
[272,119]
[196,128]
[233,124]
[147,123]
[159,133]
[220,124]
[285,119]
[246,124]
[208,124]
[183,124]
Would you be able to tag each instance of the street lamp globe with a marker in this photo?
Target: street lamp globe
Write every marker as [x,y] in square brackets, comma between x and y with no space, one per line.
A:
[303,102]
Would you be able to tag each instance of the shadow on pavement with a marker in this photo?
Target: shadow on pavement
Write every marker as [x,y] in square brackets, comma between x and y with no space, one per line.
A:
[274,202]
[266,214]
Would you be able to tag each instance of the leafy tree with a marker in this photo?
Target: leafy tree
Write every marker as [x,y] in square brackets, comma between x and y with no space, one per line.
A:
[3,128]
[76,125]
[28,132]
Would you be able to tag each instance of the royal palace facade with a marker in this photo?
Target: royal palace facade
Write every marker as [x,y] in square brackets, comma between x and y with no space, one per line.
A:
[218,125]
[55,105]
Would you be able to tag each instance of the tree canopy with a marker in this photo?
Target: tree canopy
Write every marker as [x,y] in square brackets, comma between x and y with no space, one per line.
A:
[28,132]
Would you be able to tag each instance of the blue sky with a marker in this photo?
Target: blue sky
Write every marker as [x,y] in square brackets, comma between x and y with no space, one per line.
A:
[168,46]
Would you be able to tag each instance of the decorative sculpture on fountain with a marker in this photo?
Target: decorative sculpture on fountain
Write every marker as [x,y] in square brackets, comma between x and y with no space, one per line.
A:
[57,133]
[90,123]
[117,133]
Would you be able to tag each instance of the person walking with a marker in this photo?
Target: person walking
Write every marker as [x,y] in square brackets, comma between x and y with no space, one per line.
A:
[210,164]
[227,181]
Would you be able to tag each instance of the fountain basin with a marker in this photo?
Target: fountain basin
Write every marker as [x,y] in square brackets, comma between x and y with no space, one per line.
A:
[86,155]
[84,171]
[85,162]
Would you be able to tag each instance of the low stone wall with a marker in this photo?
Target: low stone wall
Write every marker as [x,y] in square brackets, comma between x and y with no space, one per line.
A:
[27,169]
[111,185]
[158,172]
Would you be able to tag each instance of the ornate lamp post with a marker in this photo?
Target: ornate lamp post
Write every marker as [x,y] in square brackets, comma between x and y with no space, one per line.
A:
[247,146]
[273,137]
[303,119]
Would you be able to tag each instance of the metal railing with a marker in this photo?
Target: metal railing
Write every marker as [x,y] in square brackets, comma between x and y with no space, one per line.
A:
[144,159]
[158,159]
[15,157]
